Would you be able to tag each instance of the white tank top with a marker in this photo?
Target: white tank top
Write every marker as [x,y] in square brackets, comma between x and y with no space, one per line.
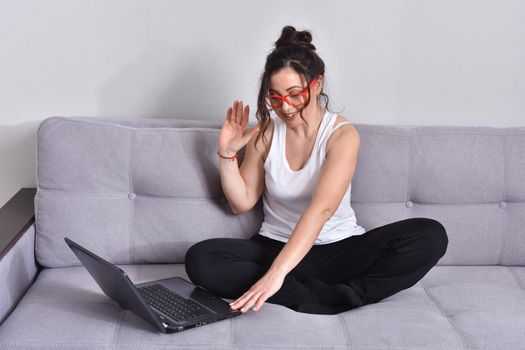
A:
[288,193]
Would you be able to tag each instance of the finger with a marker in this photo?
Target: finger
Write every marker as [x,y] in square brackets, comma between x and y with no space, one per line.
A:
[238,116]
[240,301]
[242,306]
[249,299]
[244,300]
[229,115]
[235,304]
[260,302]
[252,301]
[234,112]
[245,116]
[249,304]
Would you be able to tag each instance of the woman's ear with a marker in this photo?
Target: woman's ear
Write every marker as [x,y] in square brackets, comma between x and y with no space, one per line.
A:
[319,83]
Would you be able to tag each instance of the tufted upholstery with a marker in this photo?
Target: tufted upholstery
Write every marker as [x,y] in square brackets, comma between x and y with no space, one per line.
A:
[139,192]
[135,194]
[145,190]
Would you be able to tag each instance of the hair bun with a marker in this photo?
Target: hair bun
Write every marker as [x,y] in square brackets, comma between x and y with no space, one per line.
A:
[290,36]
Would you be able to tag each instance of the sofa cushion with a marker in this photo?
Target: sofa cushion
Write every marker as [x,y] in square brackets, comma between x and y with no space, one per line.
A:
[134,195]
[452,307]
[145,190]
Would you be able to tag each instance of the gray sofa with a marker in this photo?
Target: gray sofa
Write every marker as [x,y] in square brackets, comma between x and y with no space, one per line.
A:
[140,192]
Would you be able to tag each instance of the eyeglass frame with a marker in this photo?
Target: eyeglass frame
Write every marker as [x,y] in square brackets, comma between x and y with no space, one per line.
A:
[285,97]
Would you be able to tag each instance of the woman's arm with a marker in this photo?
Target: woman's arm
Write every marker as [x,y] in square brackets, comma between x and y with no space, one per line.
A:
[334,180]
[242,186]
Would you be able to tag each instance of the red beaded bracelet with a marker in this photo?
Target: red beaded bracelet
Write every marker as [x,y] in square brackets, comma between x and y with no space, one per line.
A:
[231,158]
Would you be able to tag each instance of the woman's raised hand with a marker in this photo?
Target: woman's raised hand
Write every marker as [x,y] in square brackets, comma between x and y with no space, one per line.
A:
[235,133]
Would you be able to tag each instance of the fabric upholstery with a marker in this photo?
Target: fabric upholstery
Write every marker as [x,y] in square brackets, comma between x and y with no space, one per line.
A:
[452,307]
[144,191]
[140,192]
[141,195]
[17,272]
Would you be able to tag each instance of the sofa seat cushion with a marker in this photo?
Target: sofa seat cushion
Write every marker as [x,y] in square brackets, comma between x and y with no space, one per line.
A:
[452,307]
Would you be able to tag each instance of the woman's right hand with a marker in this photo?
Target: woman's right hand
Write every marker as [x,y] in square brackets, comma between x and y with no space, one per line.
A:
[235,133]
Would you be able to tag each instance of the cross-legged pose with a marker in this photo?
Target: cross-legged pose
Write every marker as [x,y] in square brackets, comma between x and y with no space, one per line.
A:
[310,254]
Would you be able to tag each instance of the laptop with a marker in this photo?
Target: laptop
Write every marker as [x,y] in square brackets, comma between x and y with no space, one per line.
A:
[169,305]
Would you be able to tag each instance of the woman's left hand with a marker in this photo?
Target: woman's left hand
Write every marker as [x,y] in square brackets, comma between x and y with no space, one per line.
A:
[267,286]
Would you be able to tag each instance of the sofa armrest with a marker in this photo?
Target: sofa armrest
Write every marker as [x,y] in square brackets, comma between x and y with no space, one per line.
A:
[15,218]
[18,267]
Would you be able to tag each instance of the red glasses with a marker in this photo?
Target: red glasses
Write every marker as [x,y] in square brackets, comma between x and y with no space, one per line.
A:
[294,100]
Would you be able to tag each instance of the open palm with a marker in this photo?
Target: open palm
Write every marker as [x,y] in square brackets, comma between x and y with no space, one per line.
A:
[235,133]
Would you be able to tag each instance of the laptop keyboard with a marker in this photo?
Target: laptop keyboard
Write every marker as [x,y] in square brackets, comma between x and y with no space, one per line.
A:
[171,304]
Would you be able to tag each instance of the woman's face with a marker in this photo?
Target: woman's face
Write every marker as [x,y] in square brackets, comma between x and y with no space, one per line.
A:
[288,82]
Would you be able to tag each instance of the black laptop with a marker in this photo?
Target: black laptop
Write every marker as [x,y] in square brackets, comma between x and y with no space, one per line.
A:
[170,305]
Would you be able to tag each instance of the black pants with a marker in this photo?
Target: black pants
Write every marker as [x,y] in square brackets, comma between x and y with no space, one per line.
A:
[331,278]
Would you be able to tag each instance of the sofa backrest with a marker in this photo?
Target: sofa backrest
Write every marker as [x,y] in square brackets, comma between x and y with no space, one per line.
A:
[145,190]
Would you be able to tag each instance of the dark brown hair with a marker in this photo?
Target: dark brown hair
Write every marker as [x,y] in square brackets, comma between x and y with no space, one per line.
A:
[293,49]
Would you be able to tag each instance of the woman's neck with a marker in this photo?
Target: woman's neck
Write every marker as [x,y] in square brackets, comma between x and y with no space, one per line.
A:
[305,131]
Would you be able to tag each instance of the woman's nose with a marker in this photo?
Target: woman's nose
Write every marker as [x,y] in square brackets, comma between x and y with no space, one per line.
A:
[286,107]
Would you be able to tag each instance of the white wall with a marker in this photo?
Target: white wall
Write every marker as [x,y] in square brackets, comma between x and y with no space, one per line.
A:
[413,62]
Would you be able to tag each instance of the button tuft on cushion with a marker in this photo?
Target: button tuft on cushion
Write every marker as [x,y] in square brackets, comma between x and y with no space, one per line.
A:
[502,204]
[409,204]
[132,195]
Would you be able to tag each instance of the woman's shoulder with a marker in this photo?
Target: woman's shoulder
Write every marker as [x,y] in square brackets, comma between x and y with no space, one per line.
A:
[346,129]
[339,119]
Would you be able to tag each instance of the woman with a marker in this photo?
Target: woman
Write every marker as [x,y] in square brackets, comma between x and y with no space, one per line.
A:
[309,255]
